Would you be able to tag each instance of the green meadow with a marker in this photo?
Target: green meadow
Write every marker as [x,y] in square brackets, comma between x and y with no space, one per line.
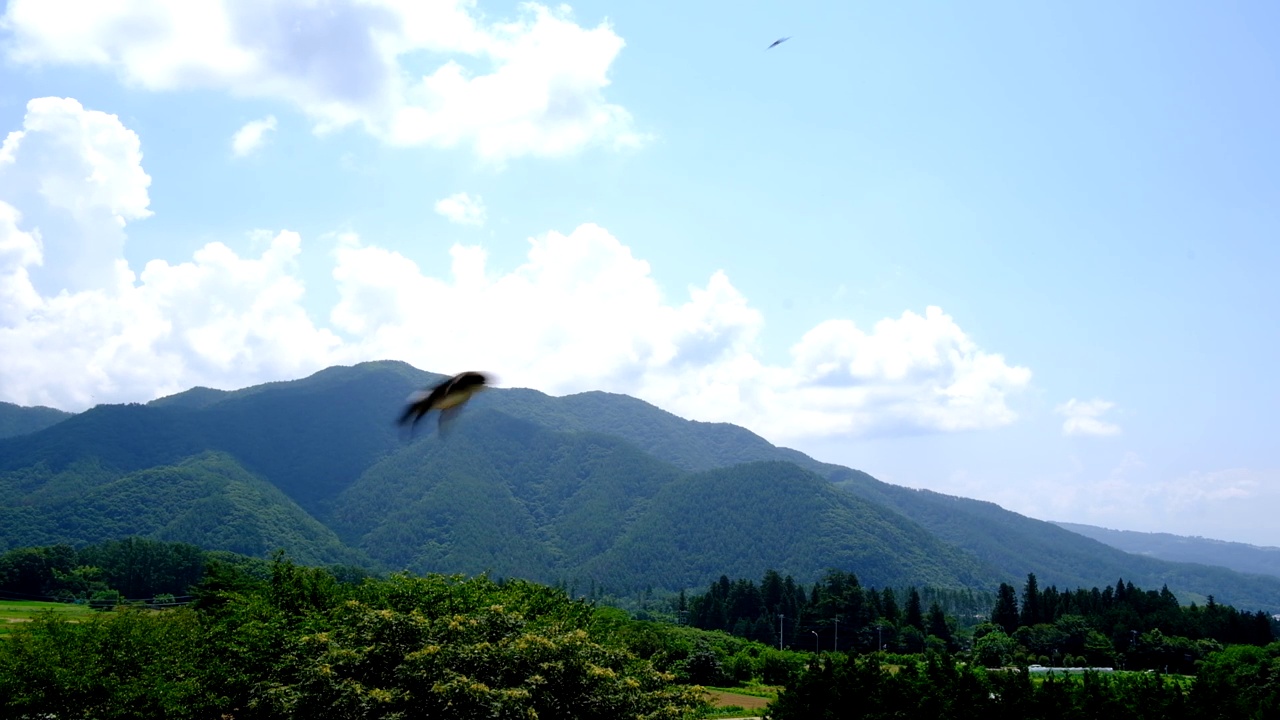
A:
[13,613]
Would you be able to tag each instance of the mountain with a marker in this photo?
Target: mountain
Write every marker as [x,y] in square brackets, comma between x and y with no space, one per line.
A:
[506,495]
[207,500]
[592,486]
[745,519]
[1240,557]
[18,420]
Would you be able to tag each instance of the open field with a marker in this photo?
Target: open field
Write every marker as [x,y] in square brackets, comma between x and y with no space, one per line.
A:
[745,701]
[15,612]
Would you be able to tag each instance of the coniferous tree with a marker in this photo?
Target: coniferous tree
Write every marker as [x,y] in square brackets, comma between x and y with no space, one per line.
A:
[1005,613]
[1031,614]
[914,615]
[938,624]
[889,606]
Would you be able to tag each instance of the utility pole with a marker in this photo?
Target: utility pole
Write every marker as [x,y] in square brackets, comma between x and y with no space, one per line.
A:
[836,646]
[780,618]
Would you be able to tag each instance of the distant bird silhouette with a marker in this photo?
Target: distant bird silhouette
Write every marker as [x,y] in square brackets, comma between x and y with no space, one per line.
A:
[448,397]
[778,42]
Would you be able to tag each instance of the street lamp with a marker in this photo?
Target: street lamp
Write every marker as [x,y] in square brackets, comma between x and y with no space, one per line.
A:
[815,640]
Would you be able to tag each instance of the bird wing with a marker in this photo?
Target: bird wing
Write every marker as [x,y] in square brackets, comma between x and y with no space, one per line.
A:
[447,417]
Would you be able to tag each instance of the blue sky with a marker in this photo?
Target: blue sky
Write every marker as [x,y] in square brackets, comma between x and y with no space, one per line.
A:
[655,204]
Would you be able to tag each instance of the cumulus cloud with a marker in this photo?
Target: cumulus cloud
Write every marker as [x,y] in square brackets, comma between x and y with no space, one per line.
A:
[81,171]
[77,323]
[411,73]
[1085,417]
[581,312]
[462,209]
[252,136]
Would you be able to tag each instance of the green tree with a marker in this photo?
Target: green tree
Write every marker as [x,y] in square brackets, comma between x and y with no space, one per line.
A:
[1005,613]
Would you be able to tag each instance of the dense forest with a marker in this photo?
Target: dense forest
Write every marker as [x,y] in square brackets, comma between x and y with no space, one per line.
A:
[132,569]
[1120,625]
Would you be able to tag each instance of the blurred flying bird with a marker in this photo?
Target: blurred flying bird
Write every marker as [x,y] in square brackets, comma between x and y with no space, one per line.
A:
[778,42]
[448,397]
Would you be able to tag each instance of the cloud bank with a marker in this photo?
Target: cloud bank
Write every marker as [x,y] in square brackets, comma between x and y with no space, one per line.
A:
[582,312]
[410,73]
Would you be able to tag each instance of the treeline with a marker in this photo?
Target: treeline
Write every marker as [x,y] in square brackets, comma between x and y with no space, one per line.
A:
[1124,608]
[1120,625]
[109,573]
[835,613]
[1240,682]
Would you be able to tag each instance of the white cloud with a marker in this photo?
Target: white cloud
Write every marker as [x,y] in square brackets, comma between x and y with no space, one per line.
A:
[462,209]
[77,323]
[584,314]
[1085,417]
[411,73]
[79,173]
[252,136]
[580,313]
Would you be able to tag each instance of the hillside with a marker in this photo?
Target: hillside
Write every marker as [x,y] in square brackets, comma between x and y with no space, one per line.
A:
[593,485]
[1241,557]
[1019,545]
[206,500]
[748,518]
[18,420]
[513,498]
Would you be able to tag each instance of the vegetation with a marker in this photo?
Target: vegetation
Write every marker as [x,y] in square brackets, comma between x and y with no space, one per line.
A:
[17,420]
[1241,682]
[1017,545]
[1120,626]
[273,639]
[593,490]
[301,639]
[15,612]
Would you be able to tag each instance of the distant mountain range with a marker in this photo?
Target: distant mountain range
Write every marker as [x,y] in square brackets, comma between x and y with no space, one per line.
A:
[1241,557]
[592,487]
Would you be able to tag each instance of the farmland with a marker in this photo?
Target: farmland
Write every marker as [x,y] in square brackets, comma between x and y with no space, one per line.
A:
[15,612]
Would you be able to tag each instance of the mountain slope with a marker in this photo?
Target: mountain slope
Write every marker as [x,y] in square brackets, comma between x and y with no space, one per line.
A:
[1240,557]
[509,496]
[329,442]
[18,420]
[206,500]
[748,518]
[1019,545]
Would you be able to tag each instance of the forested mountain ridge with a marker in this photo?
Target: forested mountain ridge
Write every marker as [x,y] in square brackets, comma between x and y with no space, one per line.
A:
[584,486]
[1241,557]
[18,420]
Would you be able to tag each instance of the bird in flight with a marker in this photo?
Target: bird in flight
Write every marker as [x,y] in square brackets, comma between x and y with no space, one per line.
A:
[778,42]
[448,397]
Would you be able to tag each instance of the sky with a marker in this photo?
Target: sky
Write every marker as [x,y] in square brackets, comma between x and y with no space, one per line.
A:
[1018,252]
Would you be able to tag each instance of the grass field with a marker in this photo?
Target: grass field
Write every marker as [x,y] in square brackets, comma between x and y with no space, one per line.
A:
[15,612]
